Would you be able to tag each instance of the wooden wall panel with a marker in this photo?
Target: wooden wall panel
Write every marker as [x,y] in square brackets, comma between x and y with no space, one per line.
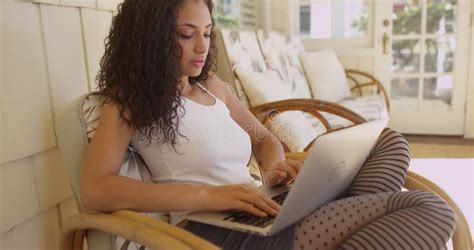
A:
[108,4]
[39,232]
[51,178]
[25,93]
[79,3]
[3,153]
[3,137]
[96,25]
[48,1]
[18,192]
[65,54]
[6,240]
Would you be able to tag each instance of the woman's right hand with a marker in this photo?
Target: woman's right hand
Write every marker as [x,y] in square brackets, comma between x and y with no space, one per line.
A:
[240,197]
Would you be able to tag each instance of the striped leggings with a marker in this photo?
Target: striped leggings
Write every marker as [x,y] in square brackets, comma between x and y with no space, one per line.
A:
[375,214]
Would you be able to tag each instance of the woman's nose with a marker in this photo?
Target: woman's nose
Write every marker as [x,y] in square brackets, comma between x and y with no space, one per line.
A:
[201,44]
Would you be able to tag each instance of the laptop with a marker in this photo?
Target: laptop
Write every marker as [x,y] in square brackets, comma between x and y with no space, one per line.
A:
[332,163]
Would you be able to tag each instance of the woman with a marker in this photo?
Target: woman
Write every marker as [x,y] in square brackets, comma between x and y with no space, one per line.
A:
[196,138]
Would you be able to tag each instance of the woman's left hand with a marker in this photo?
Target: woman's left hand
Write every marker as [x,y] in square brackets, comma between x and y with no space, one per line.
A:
[283,172]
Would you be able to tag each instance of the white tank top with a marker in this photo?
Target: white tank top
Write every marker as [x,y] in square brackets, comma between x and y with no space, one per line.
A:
[216,149]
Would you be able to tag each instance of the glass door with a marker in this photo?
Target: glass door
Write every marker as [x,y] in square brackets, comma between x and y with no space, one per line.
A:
[428,69]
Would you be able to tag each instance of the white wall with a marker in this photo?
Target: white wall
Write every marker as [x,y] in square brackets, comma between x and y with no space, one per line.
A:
[50,53]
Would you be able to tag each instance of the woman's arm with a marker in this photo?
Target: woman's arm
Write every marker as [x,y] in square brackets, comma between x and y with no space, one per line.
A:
[268,148]
[103,189]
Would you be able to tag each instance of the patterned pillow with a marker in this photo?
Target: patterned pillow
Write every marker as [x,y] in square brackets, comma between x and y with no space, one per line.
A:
[239,91]
[276,57]
[243,50]
[243,53]
[292,128]
[91,111]
[294,45]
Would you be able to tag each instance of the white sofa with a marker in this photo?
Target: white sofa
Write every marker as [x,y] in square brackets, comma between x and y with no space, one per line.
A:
[267,66]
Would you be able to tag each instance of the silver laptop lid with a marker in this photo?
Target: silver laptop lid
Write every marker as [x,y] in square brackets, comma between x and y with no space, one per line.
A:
[331,165]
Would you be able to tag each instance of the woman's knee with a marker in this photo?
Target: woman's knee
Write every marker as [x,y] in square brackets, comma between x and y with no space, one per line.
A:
[430,203]
[391,139]
[392,151]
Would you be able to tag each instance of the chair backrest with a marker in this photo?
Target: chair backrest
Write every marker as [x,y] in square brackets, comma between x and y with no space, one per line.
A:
[75,126]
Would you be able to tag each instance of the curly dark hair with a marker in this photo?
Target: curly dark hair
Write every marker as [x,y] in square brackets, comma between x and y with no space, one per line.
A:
[140,69]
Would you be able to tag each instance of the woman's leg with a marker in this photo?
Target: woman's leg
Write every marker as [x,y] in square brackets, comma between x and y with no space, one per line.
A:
[386,167]
[401,220]
[373,200]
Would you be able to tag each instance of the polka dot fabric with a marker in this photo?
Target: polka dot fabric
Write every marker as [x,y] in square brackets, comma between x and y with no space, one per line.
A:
[328,226]
[375,214]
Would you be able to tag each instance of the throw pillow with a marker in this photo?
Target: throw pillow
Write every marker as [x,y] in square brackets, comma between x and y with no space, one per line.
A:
[326,76]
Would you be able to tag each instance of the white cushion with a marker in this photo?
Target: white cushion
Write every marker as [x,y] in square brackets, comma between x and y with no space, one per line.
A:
[263,87]
[294,129]
[290,127]
[370,107]
[326,76]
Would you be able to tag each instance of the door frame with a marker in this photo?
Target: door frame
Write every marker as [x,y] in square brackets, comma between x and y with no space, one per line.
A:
[469,126]
[438,125]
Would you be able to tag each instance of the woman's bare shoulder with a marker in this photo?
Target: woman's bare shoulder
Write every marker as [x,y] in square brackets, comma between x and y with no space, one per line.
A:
[111,117]
[218,87]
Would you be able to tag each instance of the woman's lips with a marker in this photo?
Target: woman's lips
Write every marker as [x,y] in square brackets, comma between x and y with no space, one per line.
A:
[198,63]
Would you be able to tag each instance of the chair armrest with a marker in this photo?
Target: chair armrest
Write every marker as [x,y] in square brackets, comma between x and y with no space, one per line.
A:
[130,225]
[371,81]
[462,238]
[311,106]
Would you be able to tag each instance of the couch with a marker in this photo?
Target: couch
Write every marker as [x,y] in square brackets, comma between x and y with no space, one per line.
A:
[266,66]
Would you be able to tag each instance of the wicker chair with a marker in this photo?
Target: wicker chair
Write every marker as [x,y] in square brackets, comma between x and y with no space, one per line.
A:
[73,128]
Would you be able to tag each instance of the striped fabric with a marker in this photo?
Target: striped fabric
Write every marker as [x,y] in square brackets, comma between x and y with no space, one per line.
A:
[386,167]
[375,214]
[414,220]
[91,111]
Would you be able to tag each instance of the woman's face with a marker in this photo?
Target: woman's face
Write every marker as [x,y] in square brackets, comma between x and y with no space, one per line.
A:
[194,27]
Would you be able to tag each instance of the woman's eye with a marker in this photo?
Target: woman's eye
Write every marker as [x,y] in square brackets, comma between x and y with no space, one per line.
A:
[185,36]
[207,35]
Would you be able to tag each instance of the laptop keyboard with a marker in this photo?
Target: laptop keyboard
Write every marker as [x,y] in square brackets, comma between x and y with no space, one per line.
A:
[253,220]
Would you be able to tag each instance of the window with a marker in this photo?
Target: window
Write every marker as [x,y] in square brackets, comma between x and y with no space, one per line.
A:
[424,48]
[326,19]
[236,13]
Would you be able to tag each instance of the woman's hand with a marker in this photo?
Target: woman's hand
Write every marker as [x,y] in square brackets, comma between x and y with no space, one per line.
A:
[283,172]
[240,197]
